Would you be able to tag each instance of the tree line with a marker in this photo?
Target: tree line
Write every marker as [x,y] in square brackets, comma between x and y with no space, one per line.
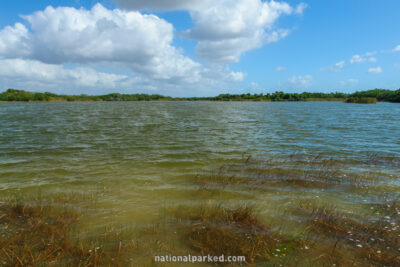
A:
[378,94]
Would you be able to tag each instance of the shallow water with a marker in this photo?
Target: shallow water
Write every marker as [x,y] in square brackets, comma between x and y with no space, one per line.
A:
[142,157]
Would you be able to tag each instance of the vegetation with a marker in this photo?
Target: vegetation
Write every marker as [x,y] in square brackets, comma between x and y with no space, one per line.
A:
[20,95]
[362,100]
[379,94]
[48,231]
[309,172]
[373,242]
[217,230]
[324,235]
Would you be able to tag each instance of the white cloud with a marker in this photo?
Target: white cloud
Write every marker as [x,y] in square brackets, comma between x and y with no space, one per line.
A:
[36,75]
[142,42]
[14,41]
[136,44]
[396,49]
[131,40]
[336,67]
[301,80]
[376,70]
[281,68]
[367,57]
[32,73]
[141,45]
[300,8]
[228,28]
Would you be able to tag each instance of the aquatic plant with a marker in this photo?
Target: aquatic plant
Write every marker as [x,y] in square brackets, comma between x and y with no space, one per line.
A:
[365,242]
[308,172]
[303,231]
[219,230]
[40,231]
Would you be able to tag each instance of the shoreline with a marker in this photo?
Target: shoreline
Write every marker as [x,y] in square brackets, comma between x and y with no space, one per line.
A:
[363,97]
[185,100]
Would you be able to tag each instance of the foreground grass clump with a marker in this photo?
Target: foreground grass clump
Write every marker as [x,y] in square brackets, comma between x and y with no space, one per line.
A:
[355,241]
[218,230]
[34,233]
[40,232]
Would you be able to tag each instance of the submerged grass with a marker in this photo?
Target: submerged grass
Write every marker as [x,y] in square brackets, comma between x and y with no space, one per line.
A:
[48,231]
[218,230]
[34,233]
[374,243]
[307,172]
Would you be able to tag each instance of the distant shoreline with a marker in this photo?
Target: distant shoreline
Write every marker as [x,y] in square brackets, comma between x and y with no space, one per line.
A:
[373,96]
[173,100]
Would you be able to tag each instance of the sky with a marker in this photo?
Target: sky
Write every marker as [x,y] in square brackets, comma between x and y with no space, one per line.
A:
[199,47]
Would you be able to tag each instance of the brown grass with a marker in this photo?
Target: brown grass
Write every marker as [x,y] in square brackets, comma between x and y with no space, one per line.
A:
[296,171]
[218,230]
[374,243]
[47,232]
[40,232]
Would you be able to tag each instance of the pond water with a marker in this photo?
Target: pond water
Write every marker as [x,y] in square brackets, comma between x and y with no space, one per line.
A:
[140,158]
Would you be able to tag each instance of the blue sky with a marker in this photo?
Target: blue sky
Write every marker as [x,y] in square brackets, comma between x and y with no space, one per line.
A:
[198,48]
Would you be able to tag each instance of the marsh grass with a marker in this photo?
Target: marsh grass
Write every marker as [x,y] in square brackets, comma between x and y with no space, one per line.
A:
[326,235]
[52,230]
[35,232]
[369,242]
[296,171]
[377,159]
[47,232]
[236,231]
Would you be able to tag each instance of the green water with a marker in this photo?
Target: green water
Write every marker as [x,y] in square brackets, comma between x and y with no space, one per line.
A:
[140,158]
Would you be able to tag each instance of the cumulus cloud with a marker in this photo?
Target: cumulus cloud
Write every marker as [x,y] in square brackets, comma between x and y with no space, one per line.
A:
[376,70]
[280,68]
[225,29]
[396,49]
[301,80]
[14,41]
[123,41]
[141,45]
[69,35]
[228,28]
[336,67]
[36,74]
[367,57]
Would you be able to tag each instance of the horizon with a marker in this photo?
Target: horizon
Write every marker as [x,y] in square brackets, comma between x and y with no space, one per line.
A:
[207,96]
[199,48]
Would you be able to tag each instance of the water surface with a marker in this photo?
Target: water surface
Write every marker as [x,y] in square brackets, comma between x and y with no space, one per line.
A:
[143,156]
